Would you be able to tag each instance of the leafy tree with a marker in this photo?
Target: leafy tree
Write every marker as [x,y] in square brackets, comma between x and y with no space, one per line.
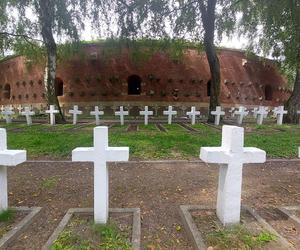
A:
[273,27]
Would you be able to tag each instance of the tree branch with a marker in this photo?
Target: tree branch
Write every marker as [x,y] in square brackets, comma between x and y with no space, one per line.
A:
[25,37]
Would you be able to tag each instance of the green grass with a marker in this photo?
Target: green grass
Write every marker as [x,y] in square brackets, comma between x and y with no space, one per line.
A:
[50,182]
[7,215]
[238,237]
[44,141]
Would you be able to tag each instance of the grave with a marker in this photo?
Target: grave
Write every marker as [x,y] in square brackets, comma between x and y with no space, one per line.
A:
[28,113]
[279,112]
[231,156]
[121,113]
[97,114]
[52,111]
[241,113]
[261,113]
[7,114]
[192,114]
[75,112]
[146,113]
[170,112]
[254,111]
[100,154]
[218,113]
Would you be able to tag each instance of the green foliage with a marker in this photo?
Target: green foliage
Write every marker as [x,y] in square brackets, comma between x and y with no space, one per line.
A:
[7,215]
[49,182]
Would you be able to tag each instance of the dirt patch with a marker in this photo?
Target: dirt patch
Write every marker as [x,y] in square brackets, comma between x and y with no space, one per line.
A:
[158,189]
[132,128]
[6,226]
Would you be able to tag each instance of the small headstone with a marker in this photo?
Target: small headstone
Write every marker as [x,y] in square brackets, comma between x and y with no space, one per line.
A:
[261,114]
[280,112]
[170,112]
[217,115]
[192,114]
[52,111]
[75,112]
[7,113]
[97,114]
[241,113]
[100,154]
[28,113]
[231,156]
[7,158]
[146,113]
[121,113]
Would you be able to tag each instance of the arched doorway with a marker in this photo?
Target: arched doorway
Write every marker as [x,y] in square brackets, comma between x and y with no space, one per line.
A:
[208,88]
[268,93]
[59,87]
[7,91]
[134,85]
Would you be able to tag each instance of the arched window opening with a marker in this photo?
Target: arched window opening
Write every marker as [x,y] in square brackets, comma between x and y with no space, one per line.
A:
[7,91]
[268,93]
[208,88]
[134,85]
[59,87]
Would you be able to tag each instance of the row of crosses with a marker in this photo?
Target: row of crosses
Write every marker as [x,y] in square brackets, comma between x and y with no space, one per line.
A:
[259,114]
[231,156]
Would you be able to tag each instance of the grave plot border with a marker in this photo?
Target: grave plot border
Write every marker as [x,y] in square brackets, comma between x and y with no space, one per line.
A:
[196,237]
[21,226]
[287,211]
[136,224]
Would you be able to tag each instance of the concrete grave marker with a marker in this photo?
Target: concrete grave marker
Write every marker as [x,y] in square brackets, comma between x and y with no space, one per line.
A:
[7,113]
[231,156]
[100,154]
[146,113]
[170,112]
[192,114]
[241,113]
[52,111]
[28,113]
[8,158]
[97,114]
[279,112]
[261,113]
[254,111]
[217,115]
[75,112]
[121,113]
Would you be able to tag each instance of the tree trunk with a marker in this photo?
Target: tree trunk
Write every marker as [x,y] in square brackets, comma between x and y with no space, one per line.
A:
[293,103]
[208,16]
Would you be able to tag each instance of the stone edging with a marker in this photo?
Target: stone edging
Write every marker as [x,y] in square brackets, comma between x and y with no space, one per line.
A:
[21,226]
[196,238]
[292,217]
[136,224]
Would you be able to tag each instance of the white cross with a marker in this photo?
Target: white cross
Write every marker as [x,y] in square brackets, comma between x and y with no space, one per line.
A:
[261,113]
[52,111]
[7,114]
[274,112]
[8,158]
[298,113]
[254,111]
[217,115]
[97,113]
[170,113]
[20,108]
[75,113]
[280,112]
[28,113]
[192,114]
[241,113]
[231,111]
[231,156]
[146,113]
[100,154]
[122,113]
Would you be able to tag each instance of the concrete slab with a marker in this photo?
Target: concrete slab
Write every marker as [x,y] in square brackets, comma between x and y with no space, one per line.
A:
[288,211]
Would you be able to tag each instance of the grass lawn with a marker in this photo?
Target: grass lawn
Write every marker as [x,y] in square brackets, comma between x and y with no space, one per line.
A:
[148,143]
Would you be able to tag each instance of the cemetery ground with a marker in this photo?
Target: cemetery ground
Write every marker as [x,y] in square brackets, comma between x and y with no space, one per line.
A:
[157,188]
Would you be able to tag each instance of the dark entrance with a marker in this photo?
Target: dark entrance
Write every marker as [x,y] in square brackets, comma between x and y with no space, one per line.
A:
[208,87]
[59,87]
[6,92]
[134,85]
[268,93]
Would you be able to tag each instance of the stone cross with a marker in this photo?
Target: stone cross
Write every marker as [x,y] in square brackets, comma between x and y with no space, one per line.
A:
[217,115]
[7,114]
[241,114]
[20,108]
[254,111]
[28,113]
[122,113]
[261,113]
[52,111]
[146,113]
[97,113]
[192,114]
[75,113]
[100,154]
[231,156]
[170,113]
[231,111]
[280,112]
[8,158]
